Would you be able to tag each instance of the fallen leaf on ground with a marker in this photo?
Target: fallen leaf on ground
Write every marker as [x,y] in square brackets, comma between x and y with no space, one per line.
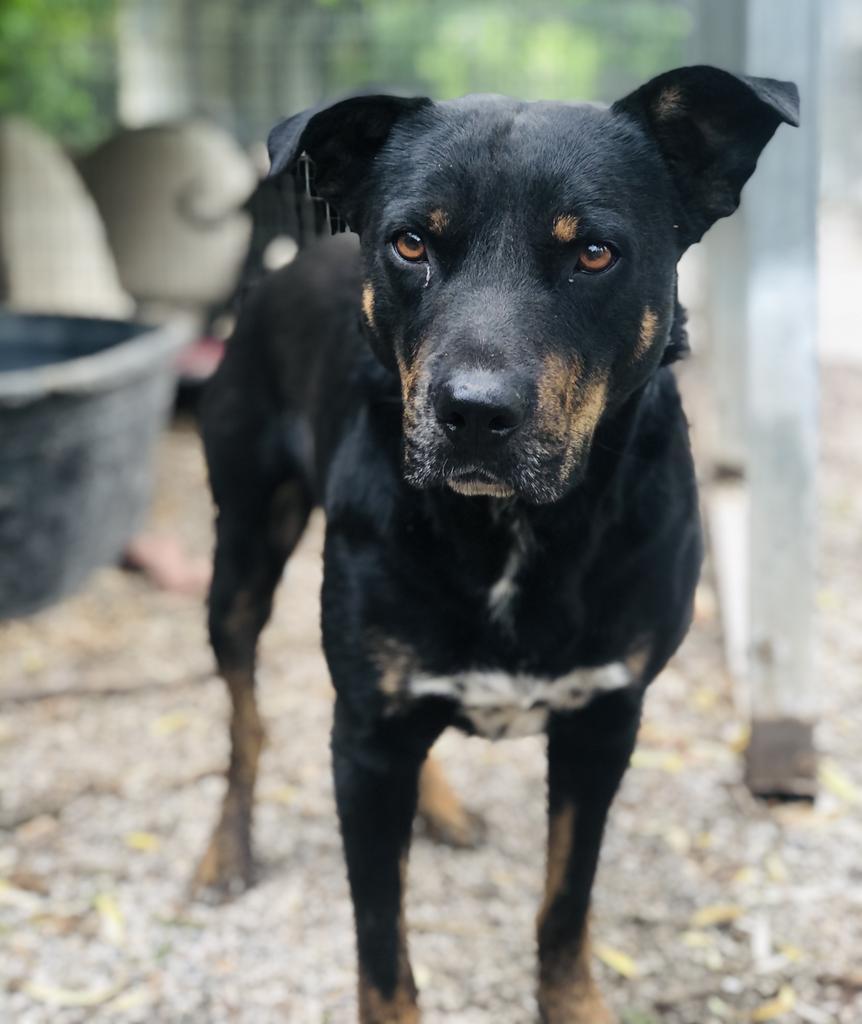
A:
[662,759]
[838,783]
[739,739]
[174,721]
[793,953]
[111,918]
[55,995]
[776,868]
[618,961]
[282,794]
[145,842]
[716,914]
[772,1009]
[132,1000]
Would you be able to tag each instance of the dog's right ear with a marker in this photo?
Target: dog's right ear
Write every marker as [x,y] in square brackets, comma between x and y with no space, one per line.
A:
[341,142]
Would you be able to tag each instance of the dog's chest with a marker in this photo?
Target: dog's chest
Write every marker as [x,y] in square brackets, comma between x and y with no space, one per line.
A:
[497,702]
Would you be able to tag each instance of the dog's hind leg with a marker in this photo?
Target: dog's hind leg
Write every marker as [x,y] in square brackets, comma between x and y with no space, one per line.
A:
[445,818]
[260,519]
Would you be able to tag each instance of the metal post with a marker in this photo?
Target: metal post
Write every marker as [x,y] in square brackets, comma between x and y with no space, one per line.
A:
[781,239]
[770,299]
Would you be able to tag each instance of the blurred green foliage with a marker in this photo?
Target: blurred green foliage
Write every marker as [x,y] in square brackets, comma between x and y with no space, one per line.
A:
[57,65]
[549,49]
[58,58]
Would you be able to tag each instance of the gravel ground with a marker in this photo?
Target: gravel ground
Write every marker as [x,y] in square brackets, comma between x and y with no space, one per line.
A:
[710,907]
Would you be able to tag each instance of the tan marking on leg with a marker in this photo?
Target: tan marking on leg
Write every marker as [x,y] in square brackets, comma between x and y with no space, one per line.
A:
[438,221]
[647,332]
[368,303]
[443,813]
[393,659]
[637,661]
[561,834]
[669,102]
[375,1008]
[400,1007]
[227,864]
[565,228]
[567,992]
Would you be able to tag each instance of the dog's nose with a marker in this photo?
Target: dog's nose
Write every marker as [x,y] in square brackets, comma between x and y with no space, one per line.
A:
[478,410]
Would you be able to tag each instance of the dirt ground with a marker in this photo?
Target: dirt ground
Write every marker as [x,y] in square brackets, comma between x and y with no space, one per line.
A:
[710,907]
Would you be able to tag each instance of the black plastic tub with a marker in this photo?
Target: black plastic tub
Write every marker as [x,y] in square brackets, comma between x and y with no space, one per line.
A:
[81,405]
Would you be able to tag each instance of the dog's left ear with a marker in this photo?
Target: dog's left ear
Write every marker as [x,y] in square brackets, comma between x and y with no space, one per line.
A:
[710,127]
[341,141]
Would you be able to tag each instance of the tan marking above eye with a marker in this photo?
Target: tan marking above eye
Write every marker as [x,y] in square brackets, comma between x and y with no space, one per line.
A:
[410,247]
[565,228]
[595,257]
[438,221]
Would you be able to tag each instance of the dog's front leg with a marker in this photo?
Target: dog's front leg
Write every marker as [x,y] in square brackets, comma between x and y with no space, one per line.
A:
[587,756]
[376,789]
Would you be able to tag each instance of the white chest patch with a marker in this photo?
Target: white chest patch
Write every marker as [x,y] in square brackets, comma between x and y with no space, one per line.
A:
[503,593]
[499,704]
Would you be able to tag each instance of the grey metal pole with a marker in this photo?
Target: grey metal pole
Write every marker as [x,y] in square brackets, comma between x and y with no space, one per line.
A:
[781,241]
[763,278]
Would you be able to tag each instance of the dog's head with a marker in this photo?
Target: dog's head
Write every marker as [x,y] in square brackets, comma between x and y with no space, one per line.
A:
[519,259]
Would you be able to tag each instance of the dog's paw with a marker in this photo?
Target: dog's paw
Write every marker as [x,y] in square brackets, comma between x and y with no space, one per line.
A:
[226,870]
[580,1005]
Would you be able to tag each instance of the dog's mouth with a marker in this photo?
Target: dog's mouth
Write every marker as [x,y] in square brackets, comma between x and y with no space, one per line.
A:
[474,482]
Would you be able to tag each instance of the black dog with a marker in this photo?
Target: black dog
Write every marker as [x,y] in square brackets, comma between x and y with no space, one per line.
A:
[479,396]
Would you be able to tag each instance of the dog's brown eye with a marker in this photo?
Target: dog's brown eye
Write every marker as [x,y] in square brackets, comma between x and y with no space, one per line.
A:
[595,257]
[410,247]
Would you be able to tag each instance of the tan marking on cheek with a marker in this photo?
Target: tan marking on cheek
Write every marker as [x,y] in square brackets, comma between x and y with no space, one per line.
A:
[557,385]
[590,409]
[584,421]
[438,221]
[647,333]
[565,228]
[368,303]
[411,375]
[669,102]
